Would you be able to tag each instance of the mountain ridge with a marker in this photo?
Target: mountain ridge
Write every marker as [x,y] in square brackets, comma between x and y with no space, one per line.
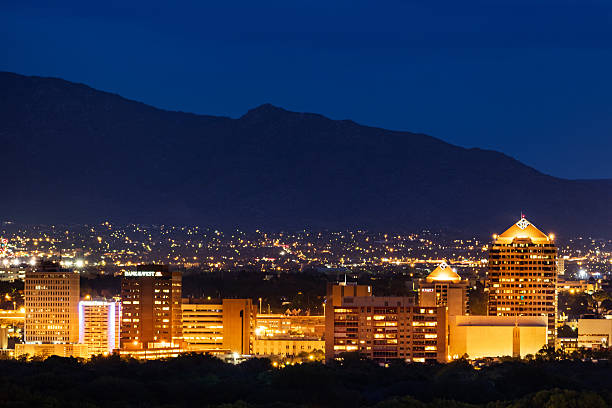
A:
[95,155]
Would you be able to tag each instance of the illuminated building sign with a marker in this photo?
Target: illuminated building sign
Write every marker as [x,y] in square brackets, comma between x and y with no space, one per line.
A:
[522,224]
[427,290]
[139,274]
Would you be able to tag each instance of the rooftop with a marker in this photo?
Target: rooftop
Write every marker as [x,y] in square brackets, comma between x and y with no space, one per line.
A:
[443,273]
[523,229]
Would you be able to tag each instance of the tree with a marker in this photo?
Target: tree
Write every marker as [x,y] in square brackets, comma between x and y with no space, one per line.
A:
[566,332]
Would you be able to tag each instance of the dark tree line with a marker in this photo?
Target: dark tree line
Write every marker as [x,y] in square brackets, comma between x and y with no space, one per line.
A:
[204,381]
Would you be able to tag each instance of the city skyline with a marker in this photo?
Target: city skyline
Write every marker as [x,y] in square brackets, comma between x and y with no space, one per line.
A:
[518,302]
[306,204]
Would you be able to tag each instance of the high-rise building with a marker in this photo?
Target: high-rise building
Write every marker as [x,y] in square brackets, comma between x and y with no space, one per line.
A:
[151,302]
[522,276]
[444,287]
[99,325]
[51,303]
[383,328]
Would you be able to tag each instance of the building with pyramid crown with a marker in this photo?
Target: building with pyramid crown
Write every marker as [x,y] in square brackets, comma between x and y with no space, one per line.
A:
[522,275]
[444,287]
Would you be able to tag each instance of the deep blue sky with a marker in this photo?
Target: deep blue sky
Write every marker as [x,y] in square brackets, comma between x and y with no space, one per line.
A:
[530,78]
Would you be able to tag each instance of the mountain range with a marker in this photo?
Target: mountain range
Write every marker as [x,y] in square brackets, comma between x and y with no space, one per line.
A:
[72,154]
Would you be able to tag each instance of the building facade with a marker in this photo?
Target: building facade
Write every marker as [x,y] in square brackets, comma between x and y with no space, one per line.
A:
[219,326]
[286,346]
[51,304]
[578,286]
[496,336]
[287,335]
[203,325]
[278,324]
[151,302]
[522,275]
[100,325]
[383,328]
[594,333]
[239,317]
[46,350]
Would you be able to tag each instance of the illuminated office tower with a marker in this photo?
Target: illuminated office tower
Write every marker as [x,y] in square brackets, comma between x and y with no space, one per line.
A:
[444,287]
[151,302]
[51,304]
[99,325]
[383,328]
[522,276]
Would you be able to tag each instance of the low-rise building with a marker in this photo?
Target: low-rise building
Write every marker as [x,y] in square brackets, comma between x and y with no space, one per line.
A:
[12,273]
[277,324]
[594,333]
[202,325]
[46,350]
[496,336]
[286,347]
[221,326]
[578,286]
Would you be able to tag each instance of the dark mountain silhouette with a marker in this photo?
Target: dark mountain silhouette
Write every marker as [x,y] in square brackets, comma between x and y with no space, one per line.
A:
[72,154]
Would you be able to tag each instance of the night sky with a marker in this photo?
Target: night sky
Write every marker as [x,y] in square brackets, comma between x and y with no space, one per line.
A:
[532,79]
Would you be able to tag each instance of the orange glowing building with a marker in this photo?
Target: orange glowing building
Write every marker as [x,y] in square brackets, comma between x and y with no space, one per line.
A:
[51,304]
[522,276]
[216,326]
[383,328]
[151,302]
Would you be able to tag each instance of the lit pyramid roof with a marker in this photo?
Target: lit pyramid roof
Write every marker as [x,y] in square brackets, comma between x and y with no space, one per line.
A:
[443,273]
[521,230]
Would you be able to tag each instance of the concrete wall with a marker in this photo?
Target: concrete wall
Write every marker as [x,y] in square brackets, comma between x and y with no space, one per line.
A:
[238,325]
[496,336]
